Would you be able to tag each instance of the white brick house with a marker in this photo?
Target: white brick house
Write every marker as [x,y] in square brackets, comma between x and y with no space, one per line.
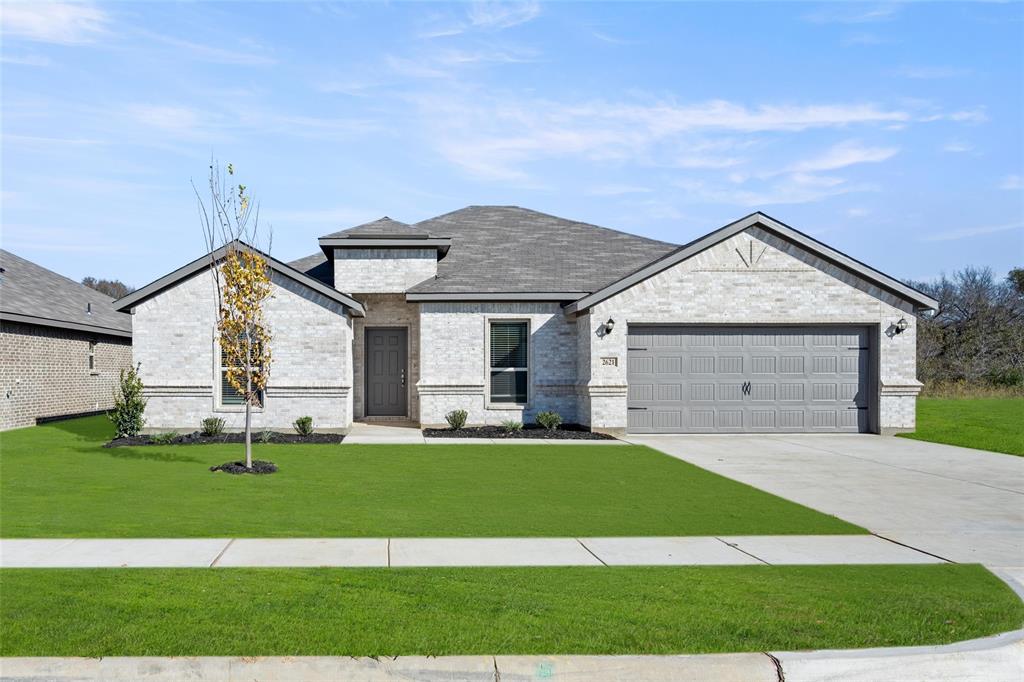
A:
[506,312]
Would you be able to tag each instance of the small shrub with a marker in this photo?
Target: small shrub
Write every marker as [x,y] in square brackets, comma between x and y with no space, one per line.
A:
[128,404]
[303,426]
[165,438]
[265,436]
[511,426]
[549,420]
[457,419]
[212,426]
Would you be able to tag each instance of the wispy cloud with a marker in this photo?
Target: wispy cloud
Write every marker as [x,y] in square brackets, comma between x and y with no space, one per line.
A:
[968,232]
[1012,182]
[617,190]
[957,147]
[845,154]
[842,13]
[793,189]
[25,60]
[217,55]
[496,16]
[931,72]
[64,23]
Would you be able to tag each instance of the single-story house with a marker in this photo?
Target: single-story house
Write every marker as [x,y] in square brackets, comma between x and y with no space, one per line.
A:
[62,345]
[506,312]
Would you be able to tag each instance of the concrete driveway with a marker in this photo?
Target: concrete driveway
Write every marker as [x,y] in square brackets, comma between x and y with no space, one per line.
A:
[960,504]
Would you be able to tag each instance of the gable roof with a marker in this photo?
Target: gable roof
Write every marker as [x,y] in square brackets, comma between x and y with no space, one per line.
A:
[382,228]
[154,288]
[768,223]
[32,294]
[513,252]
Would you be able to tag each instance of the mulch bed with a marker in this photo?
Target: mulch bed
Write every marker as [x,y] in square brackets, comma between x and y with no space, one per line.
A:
[197,438]
[259,466]
[564,432]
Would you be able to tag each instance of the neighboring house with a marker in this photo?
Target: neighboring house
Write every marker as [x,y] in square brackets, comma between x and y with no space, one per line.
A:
[62,345]
[506,312]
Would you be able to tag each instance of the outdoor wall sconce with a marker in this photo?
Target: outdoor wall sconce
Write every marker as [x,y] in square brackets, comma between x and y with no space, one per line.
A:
[609,326]
[901,326]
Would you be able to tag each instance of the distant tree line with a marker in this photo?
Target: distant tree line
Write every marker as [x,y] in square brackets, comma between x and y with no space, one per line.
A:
[977,334]
[113,288]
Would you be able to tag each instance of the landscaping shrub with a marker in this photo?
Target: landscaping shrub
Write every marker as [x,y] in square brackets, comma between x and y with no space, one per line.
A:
[212,426]
[165,438]
[303,426]
[511,426]
[128,404]
[265,436]
[549,420]
[456,419]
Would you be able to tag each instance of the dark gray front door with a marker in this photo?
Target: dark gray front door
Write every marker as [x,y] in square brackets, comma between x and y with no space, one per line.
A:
[386,372]
[748,379]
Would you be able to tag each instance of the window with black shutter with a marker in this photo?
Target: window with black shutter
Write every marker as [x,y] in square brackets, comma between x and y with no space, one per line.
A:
[509,362]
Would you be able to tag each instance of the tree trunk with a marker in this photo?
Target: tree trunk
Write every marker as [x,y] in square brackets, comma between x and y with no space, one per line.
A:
[248,420]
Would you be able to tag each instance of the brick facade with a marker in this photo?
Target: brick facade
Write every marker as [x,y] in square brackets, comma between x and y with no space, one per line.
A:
[175,345]
[45,372]
[382,271]
[783,284]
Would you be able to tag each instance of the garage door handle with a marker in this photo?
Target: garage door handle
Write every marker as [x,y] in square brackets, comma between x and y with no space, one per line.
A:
[636,349]
[636,408]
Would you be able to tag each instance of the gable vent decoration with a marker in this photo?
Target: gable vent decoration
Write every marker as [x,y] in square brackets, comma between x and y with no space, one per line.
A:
[753,255]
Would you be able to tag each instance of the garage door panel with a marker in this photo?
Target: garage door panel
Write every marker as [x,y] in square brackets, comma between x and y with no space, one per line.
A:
[708,379]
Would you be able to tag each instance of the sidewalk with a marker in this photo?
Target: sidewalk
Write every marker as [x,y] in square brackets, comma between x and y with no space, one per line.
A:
[405,552]
[992,659]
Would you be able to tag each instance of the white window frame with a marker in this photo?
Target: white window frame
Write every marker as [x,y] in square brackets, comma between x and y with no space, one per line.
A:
[91,357]
[488,404]
[218,374]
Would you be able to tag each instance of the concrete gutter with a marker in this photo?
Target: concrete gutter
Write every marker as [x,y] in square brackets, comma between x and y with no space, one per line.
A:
[991,659]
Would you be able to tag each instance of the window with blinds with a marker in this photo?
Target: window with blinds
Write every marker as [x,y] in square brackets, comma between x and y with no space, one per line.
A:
[230,397]
[509,371]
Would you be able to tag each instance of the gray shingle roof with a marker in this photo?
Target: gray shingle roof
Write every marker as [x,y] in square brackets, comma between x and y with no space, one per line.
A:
[28,290]
[316,266]
[382,228]
[508,249]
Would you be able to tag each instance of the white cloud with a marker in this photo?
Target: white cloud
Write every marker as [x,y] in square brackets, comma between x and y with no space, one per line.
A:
[617,190]
[496,16]
[1012,182]
[967,232]
[787,190]
[213,54]
[25,60]
[844,154]
[839,13]
[173,119]
[65,23]
[957,147]
[857,212]
[931,72]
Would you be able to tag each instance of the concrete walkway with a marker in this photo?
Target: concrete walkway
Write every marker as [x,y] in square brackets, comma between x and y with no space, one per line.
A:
[961,504]
[401,552]
[992,659]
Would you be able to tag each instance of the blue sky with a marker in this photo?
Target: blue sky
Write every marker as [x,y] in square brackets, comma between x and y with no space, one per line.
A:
[894,132]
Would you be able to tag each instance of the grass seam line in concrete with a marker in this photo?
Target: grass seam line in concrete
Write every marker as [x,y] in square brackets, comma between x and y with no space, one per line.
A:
[230,542]
[903,544]
[591,552]
[389,552]
[779,673]
[738,549]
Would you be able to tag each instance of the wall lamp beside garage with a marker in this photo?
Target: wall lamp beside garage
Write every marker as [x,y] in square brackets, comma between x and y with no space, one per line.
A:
[901,326]
[609,326]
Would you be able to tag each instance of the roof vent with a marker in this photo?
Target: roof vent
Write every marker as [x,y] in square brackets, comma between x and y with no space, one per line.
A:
[88,308]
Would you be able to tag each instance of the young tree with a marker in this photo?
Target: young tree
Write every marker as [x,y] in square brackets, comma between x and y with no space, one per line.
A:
[242,283]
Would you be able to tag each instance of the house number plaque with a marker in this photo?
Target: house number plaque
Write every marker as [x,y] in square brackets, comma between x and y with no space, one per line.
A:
[610,362]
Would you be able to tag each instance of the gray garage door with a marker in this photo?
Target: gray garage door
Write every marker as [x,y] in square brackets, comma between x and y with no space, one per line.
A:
[748,379]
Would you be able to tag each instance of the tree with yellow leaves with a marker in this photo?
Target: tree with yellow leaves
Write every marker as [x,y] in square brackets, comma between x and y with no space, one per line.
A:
[242,281]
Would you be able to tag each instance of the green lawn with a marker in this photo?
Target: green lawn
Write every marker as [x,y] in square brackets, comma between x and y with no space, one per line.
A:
[56,481]
[995,424]
[592,610]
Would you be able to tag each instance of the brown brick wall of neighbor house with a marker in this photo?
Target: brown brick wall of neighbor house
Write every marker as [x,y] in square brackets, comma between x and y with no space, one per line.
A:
[44,372]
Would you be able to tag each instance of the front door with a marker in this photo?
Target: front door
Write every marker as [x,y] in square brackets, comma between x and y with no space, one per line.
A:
[386,372]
